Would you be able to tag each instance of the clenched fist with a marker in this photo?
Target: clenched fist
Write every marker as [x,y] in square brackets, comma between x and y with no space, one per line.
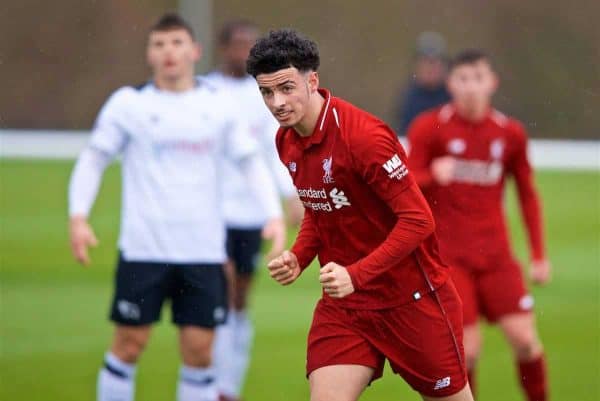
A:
[336,280]
[285,268]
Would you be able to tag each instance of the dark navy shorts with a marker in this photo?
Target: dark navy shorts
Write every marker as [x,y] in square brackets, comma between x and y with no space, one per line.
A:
[243,248]
[198,293]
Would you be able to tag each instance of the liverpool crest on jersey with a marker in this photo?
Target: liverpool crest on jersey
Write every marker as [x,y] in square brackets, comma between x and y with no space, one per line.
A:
[327,166]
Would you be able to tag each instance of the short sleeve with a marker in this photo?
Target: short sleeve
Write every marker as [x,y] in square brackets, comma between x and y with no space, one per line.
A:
[381,161]
[109,134]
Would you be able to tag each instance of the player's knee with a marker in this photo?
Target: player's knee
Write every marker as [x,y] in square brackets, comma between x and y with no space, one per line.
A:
[197,353]
[240,301]
[128,347]
[472,345]
[525,344]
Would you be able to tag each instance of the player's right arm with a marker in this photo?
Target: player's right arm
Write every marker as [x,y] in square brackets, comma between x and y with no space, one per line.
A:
[107,140]
[426,169]
[286,268]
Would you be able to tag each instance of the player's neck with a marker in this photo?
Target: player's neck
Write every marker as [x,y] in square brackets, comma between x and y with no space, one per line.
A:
[307,125]
[473,114]
[181,84]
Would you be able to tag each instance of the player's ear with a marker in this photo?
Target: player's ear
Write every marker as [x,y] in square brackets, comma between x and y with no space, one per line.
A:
[197,52]
[313,81]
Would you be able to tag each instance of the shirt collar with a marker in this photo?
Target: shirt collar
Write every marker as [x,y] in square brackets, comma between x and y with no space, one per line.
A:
[319,132]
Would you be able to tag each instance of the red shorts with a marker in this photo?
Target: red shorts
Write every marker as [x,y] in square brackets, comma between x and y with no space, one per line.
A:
[422,341]
[492,293]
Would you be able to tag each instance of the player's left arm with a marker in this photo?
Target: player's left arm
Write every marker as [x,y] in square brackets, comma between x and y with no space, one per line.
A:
[244,150]
[381,161]
[530,204]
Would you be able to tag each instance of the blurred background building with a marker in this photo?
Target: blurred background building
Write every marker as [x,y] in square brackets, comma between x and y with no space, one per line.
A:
[61,59]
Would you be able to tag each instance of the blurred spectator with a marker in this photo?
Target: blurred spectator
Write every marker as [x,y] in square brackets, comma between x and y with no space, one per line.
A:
[426,88]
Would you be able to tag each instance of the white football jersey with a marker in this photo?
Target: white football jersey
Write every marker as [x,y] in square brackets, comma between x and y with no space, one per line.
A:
[242,209]
[174,148]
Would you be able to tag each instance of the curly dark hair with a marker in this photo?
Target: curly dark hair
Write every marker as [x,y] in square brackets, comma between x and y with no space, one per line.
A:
[282,49]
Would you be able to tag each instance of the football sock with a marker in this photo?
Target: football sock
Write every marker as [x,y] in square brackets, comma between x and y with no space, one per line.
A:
[242,343]
[223,356]
[116,380]
[197,384]
[534,379]
[232,353]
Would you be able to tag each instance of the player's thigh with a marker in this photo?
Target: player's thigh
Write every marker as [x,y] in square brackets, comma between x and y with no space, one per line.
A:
[196,345]
[140,291]
[199,296]
[339,382]
[502,291]
[129,341]
[463,395]
[334,339]
[465,283]
[521,333]
[423,341]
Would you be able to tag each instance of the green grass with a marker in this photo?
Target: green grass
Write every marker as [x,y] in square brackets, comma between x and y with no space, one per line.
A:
[53,313]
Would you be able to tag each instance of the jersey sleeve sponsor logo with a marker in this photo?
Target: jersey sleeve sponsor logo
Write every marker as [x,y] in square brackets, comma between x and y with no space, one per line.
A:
[292,166]
[327,166]
[320,200]
[395,168]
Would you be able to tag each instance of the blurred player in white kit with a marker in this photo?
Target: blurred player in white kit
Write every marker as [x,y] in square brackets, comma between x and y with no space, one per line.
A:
[243,215]
[175,134]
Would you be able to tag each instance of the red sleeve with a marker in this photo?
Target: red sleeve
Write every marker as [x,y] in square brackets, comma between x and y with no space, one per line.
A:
[307,242]
[397,188]
[420,137]
[528,197]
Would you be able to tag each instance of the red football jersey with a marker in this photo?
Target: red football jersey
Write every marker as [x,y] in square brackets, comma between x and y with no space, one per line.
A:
[469,212]
[364,210]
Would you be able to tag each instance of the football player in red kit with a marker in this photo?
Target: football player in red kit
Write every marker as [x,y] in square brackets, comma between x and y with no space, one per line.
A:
[461,155]
[386,293]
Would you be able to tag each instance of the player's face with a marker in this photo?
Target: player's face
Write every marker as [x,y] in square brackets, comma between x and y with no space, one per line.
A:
[472,85]
[172,54]
[430,72]
[287,94]
[235,53]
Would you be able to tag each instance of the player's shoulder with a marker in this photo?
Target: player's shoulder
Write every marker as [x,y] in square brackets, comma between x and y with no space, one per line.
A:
[429,121]
[353,121]
[124,97]
[512,126]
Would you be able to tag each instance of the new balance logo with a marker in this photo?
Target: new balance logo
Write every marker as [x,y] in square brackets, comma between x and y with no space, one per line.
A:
[442,383]
[395,168]
[338,198]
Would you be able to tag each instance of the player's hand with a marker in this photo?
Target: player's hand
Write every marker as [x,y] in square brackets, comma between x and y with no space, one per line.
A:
[541,271]
[285,268]
[294,210]
[443,169]
[274,231]
[336,281]
[82,236]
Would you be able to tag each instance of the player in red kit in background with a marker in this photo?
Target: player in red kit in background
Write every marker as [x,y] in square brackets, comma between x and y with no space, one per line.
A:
[461,155]
[386,293]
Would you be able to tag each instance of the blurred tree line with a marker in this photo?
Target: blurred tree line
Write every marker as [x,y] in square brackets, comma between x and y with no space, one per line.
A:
[61,59]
